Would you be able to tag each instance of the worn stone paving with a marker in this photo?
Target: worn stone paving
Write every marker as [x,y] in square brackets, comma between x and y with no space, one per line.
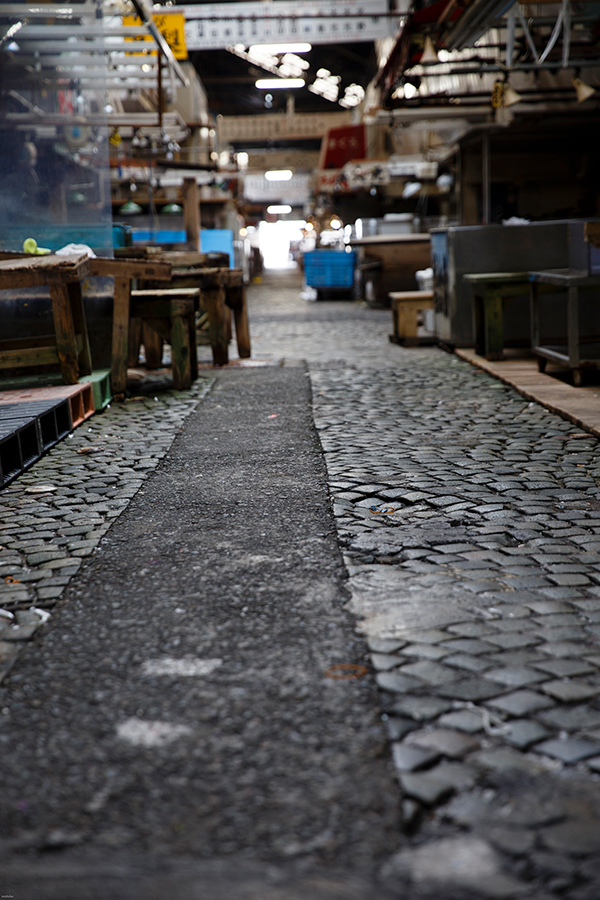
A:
[470,522]
[181,713]
[55,514]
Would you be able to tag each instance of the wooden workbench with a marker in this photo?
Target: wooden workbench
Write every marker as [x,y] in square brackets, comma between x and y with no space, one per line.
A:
[400,256]
[575,352]
[123,271]
[63,276]
[491,292]
[69,346]
[222,292]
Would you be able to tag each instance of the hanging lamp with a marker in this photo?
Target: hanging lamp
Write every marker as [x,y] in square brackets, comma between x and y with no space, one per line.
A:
[130,208]
[583,90]
[429,52]
[510,96]
[171,209]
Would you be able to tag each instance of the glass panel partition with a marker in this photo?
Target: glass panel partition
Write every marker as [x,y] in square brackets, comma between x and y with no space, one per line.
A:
[54,161]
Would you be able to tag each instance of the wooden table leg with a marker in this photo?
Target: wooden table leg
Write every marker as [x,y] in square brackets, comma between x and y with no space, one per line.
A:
[191,326]
[478,309]
[493,325]
[64,329]
[80,325]
[401,322]
[153,347]
[237,302]
[395,333]
[180,344]
[573,331]
[534,315]
[135,340]
[407,322]
[214,303]
[120,336]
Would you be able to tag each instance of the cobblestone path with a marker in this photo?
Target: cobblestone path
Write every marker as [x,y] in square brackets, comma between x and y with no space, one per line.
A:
[56,514]
[470,522]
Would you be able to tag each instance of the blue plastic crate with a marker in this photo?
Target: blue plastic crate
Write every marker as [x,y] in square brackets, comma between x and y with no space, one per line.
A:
[163,236]
[329,268]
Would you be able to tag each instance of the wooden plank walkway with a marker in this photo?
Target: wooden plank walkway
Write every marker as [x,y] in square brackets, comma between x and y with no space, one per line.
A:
[580,405]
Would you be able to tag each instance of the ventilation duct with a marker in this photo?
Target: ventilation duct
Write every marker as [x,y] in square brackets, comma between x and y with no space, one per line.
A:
[479,17]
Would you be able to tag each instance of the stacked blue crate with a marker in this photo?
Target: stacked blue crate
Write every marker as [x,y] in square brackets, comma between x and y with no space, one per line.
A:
[329,269]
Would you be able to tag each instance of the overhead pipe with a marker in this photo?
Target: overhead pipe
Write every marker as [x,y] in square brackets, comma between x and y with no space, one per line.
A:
[477,19]
[466,102]
[483,68]
[145,13]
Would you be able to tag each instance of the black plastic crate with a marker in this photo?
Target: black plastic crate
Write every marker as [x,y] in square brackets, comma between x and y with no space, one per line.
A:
[30,441]
[11,463]
[48,429]
[64,423]
[54,417]
[27,431]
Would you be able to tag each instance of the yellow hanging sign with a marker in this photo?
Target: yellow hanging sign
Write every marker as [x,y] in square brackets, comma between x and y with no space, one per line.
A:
[497,94]
[172,28]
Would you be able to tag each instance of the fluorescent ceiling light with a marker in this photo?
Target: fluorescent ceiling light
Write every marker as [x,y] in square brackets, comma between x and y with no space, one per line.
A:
[13,30]
[278,175]
[292,66]
[279,210]
[273,84]
[354,94]
[280,48]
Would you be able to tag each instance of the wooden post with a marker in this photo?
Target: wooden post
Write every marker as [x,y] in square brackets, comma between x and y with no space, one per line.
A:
[120,335]
[159,87]
[191,212]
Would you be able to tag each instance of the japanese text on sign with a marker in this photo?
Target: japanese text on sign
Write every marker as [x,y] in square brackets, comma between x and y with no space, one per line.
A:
[217,25]
[172,28]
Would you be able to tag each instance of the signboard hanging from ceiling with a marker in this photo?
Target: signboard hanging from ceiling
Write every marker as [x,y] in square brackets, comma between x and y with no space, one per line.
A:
[296,191]
[172,27]
[215,26]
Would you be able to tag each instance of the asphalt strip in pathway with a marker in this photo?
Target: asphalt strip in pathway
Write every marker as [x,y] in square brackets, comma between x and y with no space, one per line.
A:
[175,731]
